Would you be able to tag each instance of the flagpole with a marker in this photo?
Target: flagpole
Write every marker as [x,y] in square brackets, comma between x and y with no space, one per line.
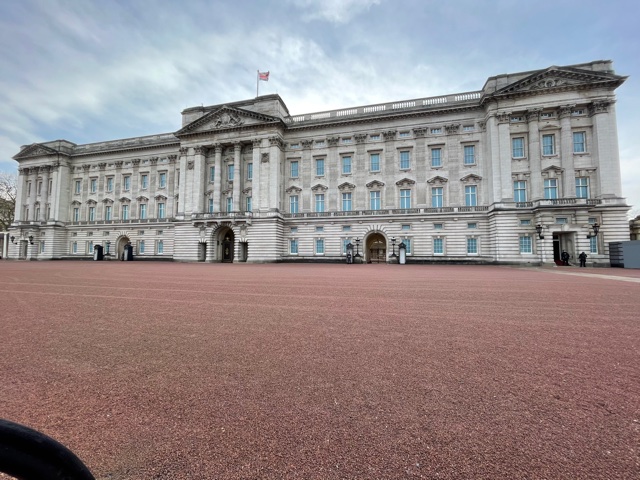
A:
[257,82]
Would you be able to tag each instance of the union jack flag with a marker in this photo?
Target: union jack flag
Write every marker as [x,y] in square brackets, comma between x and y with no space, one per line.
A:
[263,76]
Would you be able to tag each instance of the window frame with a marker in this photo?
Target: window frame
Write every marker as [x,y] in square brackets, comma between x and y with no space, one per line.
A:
[549,149]
[347,165]
[371,164]
[515,150]
[467,156]
[439,157]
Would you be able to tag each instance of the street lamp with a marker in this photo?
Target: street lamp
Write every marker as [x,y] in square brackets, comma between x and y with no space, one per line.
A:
[357,248]
[13,239]
[31,239]
[393,245]
[539,231]
[596,229]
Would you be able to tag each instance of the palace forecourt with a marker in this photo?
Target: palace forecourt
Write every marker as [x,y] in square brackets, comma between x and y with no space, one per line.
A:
[156,370]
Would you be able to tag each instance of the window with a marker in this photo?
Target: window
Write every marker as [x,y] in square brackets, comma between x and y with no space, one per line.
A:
[293,204]
[472,246]
[438,246]
[42,246]
[140,246]
[212,174]
[472,225]
[143,211]
[26,213]
[294,229]
[249,171]
[406,227]
[230,172]
[579,145]
[437,196]
[374,200]
[375,136]
[29,188]
[345,242]
[582,187]
[438,226]
[468,128]
[144,180]
[405,134]
[405,160]
[126,182]
[374,160]
[592,220]
[407,243]
[319,202]
[229,204]
[319,246]
[517,147]
[436,157]
[110,184]
[74,247]
[90,247]
[294,168]
[107,212]
[39,188]
[548,144]
[347,140]
[94,185]
[346,202]
[319,143]
[162,180]
[76,188]
[405,198]
[469,154]
[92,214]
[107,247]
[519,191]
[320,167]
[526,244]
[160,247]
[470,196]
[293,246]
[525,222]
[50,187]
[37,215]
[551,188]
[76,214]
[249,205]
[561,220]
[346,165]
[161,211]
[436,130]
[593,244]
[125,212]
[346,228]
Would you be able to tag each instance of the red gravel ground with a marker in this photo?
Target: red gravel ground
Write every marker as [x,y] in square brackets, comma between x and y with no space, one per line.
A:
[201,371]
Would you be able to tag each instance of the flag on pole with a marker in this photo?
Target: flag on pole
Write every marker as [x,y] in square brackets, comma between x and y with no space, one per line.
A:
[264,76]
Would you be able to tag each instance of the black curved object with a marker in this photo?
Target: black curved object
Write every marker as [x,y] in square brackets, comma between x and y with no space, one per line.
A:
[30,455]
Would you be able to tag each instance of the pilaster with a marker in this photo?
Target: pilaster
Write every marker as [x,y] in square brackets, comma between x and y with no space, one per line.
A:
[533,117]
[505,184]
[237,176]
[182,182]
[275,154]
[566,152]
[255,183]
[198,179]
[217,181]
[605,148]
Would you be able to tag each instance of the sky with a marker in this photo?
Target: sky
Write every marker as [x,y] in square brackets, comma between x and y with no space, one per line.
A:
[89,71]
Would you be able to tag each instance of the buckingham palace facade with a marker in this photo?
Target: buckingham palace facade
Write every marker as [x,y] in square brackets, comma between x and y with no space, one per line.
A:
[513,173]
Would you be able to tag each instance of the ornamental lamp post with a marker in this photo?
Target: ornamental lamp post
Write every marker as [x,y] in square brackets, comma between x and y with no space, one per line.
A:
[393,246]
[596,229]
[539,231]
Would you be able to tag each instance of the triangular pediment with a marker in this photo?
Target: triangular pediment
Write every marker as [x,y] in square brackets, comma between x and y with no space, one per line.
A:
[553,168]
[405,182]
[35,150]
[319,188]
[346,186]
[375,184]
[438,179]
[226,118]
[560,78]
[472,177]
[293,189]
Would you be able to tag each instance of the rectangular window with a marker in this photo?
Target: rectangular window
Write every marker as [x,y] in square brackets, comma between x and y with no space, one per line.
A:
[519,191]
[230,172]
[582,187]
[579,144]
[293,246]
[437,197]
[126,182]
[345,242]
[525,222]
[90,247]
[526,244]
[144,180]
[375,136]
[39,188]
[319,246]
[319,202]
[346,165]
[161,211]
[294,229]
[141,246]
[77,187]
[436,157]
[107,212]
[143,211]
[551,188]
[249,171]
[517,147]
[593,245]
[346,228]
[293,204]
[210,206]
[405,160]
[212,174]
[42,246]
[107,247]
[548,144]
[406,227]
[319,229]
[405,134]
[229,204]
[249,206]
[375,162]
[561,220]
[438,226]
[320,167]
[162,180]
[438,246]
[94,185]
[470,196]
[50,187]
[346,202]
[125,212]
[405,198]
[472,246]
[468,128]
[374,200]
[76,214]
[74,247]
[110,184]
[37,215]
[407,243]
[436,130]
[294,168]
[469,154]
[472,225]
[92,214]
[160,247]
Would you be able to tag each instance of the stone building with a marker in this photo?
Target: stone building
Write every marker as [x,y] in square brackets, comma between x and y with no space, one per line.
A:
[513,173]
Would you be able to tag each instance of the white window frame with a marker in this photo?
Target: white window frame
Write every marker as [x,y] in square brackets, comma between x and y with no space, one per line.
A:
[405,159]
[526,245]
[437,193]
[519,191]
[293,246]
[319,246]
[320,167]
[438,157]
[162,180]
[548,148]
[441,241]
[470,196]
[473,241]
[517,151]
[469,158]
[319,202]
[550,186]
[294,172]
[347,200]
[405,198]
[579,146]
[294,204]
[371,163]
[375,200]
[347,165]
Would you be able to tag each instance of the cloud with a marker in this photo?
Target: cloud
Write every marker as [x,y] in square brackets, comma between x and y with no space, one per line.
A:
[333,11]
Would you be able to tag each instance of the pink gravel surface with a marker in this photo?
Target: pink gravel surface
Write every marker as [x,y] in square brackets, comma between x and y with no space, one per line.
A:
[198,371]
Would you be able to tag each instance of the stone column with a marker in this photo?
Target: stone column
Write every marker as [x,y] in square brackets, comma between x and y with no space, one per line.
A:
[182,179]
[421,166]
[255,183]
[333,169]
[306,174]
[360,169]
[388,169]
[217,181]
[171,187]
[101,192]
[275,151]
[605,148]
[135,189]
[153,179]
[61,191]
[536,190]
[44,194]
[505,186]
[116,213]
[21,189]
[566,152]
[199,176]
[237,176]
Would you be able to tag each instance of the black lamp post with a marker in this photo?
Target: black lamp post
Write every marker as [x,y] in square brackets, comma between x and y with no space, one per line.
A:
[13,239]
[31,239]
[596,229]
[539,231]
[357,248]
[393,246]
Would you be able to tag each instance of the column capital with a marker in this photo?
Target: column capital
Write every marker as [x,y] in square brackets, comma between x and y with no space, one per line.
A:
[237,147]
[360,137]
[256,142]
[600,106]
[333,141]
[184,150]
[565,111]
[217,148]
[533,114]
[200,150]
[503,117]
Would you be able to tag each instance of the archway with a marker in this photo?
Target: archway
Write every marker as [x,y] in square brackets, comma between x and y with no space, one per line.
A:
[376,248]
[122,241]
[225,242]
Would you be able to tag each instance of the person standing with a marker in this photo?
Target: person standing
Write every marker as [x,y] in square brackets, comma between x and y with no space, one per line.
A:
[565,258]
[583,259]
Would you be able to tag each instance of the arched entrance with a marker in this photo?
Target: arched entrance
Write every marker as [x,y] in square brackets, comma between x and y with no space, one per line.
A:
[122,241]
[376,248]
[225,245]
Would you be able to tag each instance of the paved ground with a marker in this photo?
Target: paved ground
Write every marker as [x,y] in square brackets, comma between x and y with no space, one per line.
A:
[193,371]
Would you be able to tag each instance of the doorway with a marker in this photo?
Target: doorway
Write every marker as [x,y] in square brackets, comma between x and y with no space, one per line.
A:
[122,241]
[564,241]
[376,249]
[226,244]
[202,251]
